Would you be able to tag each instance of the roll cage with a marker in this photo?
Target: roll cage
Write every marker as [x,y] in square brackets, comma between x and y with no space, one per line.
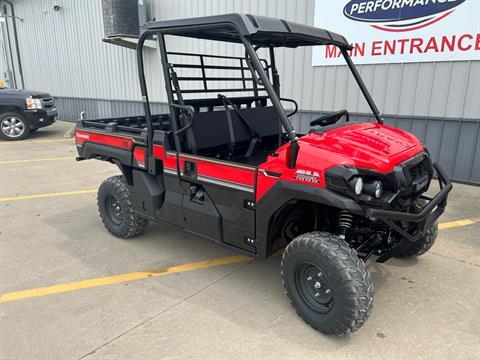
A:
[253,32]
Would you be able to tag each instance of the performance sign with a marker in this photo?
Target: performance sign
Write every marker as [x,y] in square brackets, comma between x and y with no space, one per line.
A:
[395,31]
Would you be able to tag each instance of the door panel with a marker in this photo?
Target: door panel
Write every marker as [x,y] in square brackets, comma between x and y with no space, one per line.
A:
[238,221]
[200,213]
[226,187]
[218,197]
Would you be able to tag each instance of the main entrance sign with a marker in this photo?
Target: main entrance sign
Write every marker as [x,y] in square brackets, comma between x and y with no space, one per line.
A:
[395,31]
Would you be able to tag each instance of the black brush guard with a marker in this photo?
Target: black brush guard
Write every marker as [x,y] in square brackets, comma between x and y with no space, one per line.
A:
[424,219]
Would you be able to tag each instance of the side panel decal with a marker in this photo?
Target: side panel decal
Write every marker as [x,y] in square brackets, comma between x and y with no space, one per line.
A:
[110,140]
[211,170]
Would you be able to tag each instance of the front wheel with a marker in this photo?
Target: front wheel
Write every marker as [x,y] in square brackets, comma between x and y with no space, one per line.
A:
[327,283]
[13,126]
[413,249]
[115,207]
[417,248]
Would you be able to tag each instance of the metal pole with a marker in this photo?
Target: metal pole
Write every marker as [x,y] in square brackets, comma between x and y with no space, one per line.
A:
[293,151]
[276,85]
[275,77]
[169,90]
[11,63]
[362,86]
[17,48]
[144,92]
[270,90]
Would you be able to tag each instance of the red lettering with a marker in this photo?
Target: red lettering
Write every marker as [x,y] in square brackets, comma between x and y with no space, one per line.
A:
[450,45]
[389,47]
[415,43]
[402,43]
[359,50]
[465,42]
[431,45]
[376,48]
[331,51]
[460,42]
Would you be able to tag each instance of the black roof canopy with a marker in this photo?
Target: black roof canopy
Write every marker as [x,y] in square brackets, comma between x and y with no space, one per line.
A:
[260,30]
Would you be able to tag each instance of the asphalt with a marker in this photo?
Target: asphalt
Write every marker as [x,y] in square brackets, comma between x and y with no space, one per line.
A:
[425,308]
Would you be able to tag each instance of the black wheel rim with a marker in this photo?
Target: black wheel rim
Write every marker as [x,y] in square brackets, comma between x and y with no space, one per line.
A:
[114,210]
[314,287]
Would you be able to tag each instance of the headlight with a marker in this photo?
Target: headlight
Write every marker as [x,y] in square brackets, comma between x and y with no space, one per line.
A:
[374,188]
[357,184]
[33,103]
[361,184]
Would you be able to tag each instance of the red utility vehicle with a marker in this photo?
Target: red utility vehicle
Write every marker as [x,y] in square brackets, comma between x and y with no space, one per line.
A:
[233,170]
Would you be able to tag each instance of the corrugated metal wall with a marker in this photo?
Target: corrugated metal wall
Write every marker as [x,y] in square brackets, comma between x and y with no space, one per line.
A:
[439,102]
[62,51]
[3,57]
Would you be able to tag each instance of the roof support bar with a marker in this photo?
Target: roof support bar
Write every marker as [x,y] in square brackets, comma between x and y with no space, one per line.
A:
[274,99]
[275,76]
[362,86]
[168,88]
[145,101]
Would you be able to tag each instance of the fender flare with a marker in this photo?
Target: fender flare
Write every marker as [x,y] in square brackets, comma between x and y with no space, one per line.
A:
[284,192]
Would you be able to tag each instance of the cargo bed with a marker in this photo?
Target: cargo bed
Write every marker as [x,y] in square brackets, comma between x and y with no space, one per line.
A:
[122,140]
[131,126]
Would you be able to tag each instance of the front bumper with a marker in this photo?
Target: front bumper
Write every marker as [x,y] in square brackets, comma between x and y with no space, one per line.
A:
[423,219]
[41,117]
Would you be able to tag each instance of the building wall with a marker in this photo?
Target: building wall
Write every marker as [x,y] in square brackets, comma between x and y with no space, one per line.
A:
[62,53]
[3,59]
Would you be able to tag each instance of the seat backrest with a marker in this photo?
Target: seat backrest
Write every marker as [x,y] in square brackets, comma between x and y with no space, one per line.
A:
[211,134]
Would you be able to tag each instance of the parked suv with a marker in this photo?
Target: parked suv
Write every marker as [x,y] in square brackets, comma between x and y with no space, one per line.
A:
[23,112]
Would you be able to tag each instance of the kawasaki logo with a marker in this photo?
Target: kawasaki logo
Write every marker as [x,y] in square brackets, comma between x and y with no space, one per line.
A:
[400,15]
[82,136]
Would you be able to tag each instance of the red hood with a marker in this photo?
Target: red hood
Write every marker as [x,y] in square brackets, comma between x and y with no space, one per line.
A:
[367,145]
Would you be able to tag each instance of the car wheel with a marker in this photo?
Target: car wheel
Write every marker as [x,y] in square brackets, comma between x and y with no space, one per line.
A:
[115,207]
[327,283]
[13,126]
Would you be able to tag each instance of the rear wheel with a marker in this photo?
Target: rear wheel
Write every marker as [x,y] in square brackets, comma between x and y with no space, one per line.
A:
[115,207]
[327,283]
[13,126]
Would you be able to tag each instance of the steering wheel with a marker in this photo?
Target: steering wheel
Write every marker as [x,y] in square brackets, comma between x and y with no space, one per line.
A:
[330,119]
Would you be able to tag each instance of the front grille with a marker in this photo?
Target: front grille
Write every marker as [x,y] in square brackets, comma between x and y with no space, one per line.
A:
[418,171]
[47,102]
[410,179]
[419,176]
